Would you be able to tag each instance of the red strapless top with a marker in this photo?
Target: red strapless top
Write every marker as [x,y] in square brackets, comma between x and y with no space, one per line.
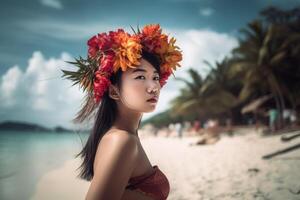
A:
[155,185]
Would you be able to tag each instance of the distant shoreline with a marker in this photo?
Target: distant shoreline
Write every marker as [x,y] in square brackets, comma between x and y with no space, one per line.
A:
[31,127]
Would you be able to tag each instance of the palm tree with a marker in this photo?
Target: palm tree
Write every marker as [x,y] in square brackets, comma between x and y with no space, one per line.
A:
[202,98]
[191,97]
[222,79]
[287,27]
[268,57]
[258,56]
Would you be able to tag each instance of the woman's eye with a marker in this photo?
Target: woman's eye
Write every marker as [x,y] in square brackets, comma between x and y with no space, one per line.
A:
[143,77]
[140,77]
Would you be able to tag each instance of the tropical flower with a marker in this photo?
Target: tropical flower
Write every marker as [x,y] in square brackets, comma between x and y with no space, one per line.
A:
[101,84]
[164,77]
[99,42]
[107,62]
[128,53]
[169,53]
[150,37]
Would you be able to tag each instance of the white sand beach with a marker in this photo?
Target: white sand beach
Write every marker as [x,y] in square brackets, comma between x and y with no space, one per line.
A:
[232,168]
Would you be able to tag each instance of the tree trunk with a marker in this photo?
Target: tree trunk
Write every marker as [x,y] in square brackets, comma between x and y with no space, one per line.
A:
[286,150]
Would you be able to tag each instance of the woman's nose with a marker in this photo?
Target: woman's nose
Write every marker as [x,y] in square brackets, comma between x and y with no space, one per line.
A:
[153,86]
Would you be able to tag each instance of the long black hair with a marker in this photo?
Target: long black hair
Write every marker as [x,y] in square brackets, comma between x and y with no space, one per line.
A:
[104,119]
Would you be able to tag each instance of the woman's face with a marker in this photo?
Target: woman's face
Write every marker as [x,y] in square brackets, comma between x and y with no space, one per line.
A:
[140,87]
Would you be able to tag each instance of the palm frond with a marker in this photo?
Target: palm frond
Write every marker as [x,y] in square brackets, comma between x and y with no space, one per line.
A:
[84,75]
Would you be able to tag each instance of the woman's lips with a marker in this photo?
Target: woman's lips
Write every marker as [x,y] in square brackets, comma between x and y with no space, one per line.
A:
[152,100]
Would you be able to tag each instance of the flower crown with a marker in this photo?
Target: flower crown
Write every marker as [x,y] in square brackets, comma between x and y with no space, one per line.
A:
[109,52]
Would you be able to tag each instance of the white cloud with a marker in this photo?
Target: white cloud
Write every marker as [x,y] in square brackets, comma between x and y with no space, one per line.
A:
[40,92]
[9,84]
[206,11]
[198,45]
[56,4]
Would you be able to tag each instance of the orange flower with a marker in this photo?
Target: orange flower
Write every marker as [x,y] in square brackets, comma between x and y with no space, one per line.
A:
[152,30]
[128,52]
[155,41]
[163,44]
[150,37]
[170,53]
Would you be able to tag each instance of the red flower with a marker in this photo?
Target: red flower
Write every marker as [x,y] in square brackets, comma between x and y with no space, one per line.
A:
[99,42]
[104,41]
[114,35]
[92,52]
[164,77]
[93,47]
[107,62]
[92,42]
[101,84]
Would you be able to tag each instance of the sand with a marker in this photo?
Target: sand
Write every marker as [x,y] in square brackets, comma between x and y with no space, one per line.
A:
[62,184]
[232,168]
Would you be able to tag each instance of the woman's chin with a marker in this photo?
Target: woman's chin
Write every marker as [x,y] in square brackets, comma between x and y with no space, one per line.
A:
[149,109]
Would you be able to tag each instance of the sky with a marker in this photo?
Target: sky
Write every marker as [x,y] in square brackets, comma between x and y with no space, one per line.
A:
[37,37]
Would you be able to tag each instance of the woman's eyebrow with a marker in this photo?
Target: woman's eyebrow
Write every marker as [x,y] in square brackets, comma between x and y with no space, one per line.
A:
[143,70]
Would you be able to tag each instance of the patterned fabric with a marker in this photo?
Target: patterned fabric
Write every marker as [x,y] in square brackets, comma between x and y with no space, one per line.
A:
[155,185]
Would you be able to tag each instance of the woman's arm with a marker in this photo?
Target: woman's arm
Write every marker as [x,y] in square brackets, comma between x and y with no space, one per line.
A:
[116,159]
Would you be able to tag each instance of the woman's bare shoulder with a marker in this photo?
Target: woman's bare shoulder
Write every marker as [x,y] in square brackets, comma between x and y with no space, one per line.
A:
[119,136]
[116,142]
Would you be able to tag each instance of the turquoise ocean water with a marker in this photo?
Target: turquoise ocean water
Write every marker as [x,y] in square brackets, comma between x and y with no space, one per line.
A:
[25,157]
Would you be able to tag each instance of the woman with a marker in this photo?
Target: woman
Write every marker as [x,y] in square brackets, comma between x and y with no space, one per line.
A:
[123,75]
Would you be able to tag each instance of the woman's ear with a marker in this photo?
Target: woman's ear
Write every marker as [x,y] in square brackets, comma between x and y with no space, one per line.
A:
[113,92]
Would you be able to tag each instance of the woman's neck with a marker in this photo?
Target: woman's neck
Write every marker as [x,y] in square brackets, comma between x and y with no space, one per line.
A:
[128,120]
